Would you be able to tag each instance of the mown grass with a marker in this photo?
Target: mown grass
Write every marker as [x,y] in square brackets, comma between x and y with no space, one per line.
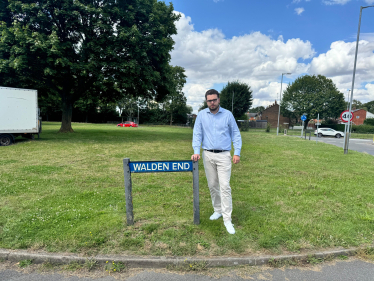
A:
[65,192]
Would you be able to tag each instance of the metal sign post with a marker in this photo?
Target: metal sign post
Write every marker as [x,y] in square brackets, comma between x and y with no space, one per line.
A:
[346,116]
[317,128]
[157,167]
[303,118]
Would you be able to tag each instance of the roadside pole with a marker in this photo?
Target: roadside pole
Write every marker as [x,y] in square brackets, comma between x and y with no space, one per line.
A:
[303,118]
[302,129]
[317,128]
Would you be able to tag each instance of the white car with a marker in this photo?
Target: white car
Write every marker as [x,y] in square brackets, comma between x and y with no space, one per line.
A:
[328,132]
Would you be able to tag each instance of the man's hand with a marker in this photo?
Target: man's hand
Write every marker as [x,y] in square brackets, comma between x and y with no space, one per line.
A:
[195,157]
[236,159]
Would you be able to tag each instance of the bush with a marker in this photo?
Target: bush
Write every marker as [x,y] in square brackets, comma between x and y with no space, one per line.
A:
[337,127]
[267,127]
[369,122]
[244,126]
[363,129]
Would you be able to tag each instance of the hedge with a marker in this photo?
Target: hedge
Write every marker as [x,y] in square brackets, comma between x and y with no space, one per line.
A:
[363,129]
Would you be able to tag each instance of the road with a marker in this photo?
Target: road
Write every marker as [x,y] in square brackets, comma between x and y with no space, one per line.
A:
[348,270]
[360,145]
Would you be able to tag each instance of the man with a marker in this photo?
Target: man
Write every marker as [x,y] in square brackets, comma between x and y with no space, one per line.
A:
[215,128]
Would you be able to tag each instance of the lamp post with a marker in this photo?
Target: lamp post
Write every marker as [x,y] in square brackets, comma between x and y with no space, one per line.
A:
[346,142]
[232,104]
[280,97]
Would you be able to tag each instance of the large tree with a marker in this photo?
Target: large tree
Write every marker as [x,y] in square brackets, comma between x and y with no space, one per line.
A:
[242,94]
[369,106]
[176,100]
[311,95]
[78,48]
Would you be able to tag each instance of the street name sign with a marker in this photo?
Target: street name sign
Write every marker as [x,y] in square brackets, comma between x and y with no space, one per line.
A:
[157,167]
[346,116]
[160,166]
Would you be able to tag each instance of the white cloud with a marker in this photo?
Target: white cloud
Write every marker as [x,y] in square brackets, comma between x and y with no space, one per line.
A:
[299,11]
[369,2]
[337,2]
[209,58]
[338,63]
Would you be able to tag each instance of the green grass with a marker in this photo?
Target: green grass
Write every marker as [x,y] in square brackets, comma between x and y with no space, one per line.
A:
[65,192]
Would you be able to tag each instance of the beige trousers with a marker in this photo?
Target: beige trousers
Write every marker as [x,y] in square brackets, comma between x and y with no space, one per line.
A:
[218,171]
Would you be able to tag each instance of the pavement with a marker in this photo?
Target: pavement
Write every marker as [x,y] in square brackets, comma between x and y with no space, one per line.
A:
[349,269]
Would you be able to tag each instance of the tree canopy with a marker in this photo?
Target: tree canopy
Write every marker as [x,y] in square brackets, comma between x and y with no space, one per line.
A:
[242,98]
[79,49]
[256,109]
[312,95]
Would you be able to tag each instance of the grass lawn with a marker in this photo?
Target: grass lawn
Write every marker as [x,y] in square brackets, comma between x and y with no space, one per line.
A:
[65,192]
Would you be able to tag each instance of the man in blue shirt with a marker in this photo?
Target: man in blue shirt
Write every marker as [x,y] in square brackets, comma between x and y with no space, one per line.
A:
[215,128]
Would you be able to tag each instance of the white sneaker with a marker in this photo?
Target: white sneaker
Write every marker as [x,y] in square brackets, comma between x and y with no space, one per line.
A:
[215,216]
[229,227]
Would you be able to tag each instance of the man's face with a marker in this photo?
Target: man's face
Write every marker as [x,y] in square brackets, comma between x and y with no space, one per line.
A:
[212,102]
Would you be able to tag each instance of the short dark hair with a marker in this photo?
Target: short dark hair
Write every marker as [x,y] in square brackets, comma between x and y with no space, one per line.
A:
[211,92]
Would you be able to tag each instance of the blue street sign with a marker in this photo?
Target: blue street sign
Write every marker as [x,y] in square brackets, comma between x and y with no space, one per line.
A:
[303,117]
[160,166]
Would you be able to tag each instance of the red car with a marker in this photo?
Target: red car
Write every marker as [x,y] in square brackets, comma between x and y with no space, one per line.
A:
[127,124]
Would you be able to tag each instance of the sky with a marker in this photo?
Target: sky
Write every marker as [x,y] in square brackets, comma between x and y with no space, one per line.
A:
[255,41]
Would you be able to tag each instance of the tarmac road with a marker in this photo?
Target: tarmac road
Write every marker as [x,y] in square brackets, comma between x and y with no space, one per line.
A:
[349,270]
[360,145]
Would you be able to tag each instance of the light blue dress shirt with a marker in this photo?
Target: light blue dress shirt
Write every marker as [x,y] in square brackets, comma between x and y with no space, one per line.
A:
[216,131]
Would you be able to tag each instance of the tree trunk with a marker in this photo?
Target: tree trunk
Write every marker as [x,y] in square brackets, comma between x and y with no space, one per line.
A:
[171,118]
[67,112]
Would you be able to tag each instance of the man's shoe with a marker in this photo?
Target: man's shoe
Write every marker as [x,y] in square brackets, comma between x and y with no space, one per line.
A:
[215,216]
[229,227]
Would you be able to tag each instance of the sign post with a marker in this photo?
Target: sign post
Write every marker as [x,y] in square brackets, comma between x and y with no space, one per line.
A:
[346,116]
[317,127]
[157,167]
[303,118]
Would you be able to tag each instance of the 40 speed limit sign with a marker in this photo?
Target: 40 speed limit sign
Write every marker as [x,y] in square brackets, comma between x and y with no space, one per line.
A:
[346,116]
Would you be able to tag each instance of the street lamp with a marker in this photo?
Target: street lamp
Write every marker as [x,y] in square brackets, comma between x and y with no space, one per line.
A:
[280,97]
[346,142]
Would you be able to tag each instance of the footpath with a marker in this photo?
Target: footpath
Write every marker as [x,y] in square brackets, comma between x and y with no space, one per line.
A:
[219,269]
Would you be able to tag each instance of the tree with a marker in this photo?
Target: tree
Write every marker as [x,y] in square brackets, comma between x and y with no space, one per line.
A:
[176,99]
[242,97]
[256,109]
[369,106]
[100,48]
[311,95]
[356,104]
[203,105]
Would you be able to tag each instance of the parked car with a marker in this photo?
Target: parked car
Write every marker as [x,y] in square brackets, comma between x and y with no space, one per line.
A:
[328,132]
[127,124]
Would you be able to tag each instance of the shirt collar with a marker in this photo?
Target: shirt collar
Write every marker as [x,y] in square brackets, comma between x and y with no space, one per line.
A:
[220,110]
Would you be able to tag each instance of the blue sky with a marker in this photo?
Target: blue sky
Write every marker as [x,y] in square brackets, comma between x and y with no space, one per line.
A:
[256,41]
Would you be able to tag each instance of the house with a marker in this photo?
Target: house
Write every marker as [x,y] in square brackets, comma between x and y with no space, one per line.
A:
[369,115]
[270,114]
[252,116]
[359,116]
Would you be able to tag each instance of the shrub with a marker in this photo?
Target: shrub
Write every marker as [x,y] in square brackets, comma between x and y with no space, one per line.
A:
[337,127]
[369,122]
[267,127]
[244,126]
[363,129]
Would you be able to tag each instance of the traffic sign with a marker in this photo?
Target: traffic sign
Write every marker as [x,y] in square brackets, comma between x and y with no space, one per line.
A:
[303,117]
[346,116]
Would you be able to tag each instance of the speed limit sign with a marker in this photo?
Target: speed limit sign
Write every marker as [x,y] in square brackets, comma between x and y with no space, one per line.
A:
[346,116]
